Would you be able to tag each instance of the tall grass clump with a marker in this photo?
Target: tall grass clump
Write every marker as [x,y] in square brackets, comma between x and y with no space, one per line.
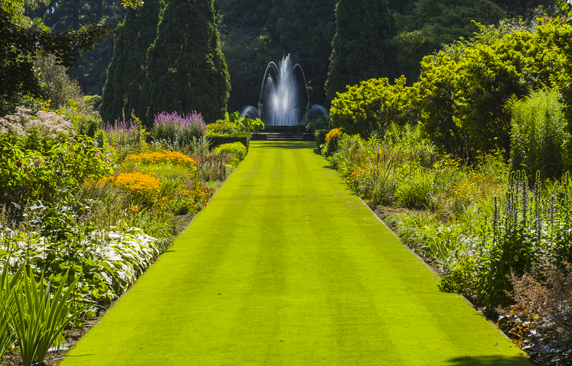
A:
[538,135]
[375,167]
[178,131]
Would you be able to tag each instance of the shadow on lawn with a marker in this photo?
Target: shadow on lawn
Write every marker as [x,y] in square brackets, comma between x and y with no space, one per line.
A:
[489,361]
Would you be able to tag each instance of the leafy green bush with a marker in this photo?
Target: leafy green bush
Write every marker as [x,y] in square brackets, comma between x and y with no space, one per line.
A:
[44,159]
[372,106]
[222,128]
[236,149]
[538,135]
[463,90]
[59,88]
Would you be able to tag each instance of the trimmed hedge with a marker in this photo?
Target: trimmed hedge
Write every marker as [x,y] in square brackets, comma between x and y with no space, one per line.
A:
[243,138]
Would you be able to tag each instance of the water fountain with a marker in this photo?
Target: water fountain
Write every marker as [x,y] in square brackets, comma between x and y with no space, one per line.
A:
[279,101]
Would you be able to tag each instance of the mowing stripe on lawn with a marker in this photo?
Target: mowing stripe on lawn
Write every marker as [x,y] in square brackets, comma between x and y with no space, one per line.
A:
[287,267]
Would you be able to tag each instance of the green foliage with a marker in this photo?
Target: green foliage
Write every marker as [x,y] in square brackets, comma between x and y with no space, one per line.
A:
[372,106]
[320,136]
[234,125]
[185,65]
[374,168]
[538,135]
[253,33]
[8,287]
[40,316]
[236,149]
[58,87]
[19,45]
[248,124]
[126,89]
[222,128]
[124,138]
[44,159]
[463,91]
[90,69]
[438,23]
[360,45]
[566,7]
[320,123]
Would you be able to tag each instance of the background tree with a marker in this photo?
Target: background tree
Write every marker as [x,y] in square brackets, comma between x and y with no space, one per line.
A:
[185,63]
[20,42]
[126,88]
[360,45]
[436,23]
[68,15]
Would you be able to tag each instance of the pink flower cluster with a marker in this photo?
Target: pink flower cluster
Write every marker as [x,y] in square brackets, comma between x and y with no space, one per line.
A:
[45,123]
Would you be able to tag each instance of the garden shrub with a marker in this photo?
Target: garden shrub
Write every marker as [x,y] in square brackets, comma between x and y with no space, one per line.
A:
[463,90]
[538,135]
[235,149]
[222,128]
[59,88]
[372,106]
[44,159]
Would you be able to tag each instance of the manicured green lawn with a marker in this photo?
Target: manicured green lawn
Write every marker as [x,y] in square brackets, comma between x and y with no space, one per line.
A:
[287,267]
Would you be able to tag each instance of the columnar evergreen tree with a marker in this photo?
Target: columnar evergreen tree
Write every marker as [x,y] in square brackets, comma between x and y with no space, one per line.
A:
[361,44]
[185,63]
[126,86]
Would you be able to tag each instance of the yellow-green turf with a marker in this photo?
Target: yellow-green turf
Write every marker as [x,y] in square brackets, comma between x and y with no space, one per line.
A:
[287,267]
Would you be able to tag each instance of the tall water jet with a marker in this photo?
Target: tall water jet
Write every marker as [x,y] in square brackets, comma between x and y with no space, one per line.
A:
[279,102]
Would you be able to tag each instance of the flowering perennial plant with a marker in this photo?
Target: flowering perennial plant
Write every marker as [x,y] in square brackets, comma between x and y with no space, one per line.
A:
[43,124]
[165,156]
[136,183]
[179,130]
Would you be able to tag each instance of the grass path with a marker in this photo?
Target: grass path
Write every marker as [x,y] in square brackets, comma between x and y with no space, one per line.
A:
[287,267]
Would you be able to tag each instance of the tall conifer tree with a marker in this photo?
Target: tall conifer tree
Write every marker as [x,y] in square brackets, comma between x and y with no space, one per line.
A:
[360,45]
[185,64]
[126,86]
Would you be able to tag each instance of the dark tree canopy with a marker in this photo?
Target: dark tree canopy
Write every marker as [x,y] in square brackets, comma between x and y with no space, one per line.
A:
[126,89]
[440,22]
[18,46]
[185,64]
[361,44]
